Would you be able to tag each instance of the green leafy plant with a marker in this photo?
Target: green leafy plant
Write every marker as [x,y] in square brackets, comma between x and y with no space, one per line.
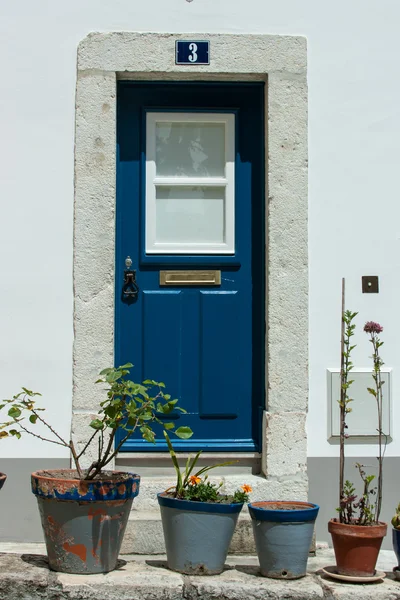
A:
[196,487]
[353,509]
[346,367]
[358,510]
[128,406]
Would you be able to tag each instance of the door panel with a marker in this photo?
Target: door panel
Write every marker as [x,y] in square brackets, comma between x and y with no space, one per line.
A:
[218,345]
[205,342]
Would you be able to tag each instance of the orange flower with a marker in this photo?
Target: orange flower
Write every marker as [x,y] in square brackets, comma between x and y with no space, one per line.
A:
[194,480]
[247,488]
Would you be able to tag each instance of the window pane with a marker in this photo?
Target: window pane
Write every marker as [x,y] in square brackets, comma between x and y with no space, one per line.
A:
[190,149]
[190,214]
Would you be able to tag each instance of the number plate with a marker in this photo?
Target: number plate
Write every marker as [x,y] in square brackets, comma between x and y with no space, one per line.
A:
[192,52]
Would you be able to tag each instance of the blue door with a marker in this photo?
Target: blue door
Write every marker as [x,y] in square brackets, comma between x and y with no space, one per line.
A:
[190,215]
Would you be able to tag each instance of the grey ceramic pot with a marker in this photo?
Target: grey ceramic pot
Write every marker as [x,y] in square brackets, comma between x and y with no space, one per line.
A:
[197,534]
[84,521]
[283,533]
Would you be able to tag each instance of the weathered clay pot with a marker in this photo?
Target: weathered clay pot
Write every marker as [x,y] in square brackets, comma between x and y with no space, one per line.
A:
[356,547]
[3,478]
[283,533]
[197,534]
[84,521]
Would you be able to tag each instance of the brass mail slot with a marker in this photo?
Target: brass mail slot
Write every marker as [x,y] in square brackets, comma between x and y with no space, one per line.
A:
[190,277]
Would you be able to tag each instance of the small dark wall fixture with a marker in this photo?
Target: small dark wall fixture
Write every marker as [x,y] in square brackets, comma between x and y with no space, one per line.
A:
[370,284]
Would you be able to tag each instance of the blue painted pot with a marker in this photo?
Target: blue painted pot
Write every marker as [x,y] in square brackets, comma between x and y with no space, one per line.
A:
[197,534]
[84,521]
[396,544]
[283,533]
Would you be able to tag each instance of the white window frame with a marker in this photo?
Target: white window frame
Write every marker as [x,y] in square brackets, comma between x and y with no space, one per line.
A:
[152,181]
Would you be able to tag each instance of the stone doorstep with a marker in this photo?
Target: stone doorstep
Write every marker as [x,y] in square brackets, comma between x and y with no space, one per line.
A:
[144,530]
[25,576]
[144,535]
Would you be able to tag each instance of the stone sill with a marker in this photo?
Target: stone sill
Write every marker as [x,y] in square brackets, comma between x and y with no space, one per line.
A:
[24,575]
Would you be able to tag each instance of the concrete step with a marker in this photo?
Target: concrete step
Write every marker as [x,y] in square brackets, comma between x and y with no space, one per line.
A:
[144,534]
[27,577]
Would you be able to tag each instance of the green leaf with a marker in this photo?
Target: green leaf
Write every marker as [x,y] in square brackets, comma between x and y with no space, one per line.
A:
[126,366]
[105,371]
[15,433]
[113,377]
[178,487]
[14,412]
[132,407]
[33,418]
[146,416]
[169,425]
[190,464]
[184,433]
[372,392]
[97,424]
[148,434]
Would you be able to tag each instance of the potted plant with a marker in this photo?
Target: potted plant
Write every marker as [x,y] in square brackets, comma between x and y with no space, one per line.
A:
[84,511]
[198,519]
[283,533]
[396,540]
[357,533]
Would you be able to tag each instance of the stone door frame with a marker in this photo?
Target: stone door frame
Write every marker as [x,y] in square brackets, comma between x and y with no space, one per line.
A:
[280,61]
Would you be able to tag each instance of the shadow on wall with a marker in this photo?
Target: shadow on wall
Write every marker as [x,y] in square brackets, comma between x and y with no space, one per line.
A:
[323,476]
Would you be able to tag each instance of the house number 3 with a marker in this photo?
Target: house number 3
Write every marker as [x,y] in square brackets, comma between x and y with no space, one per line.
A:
[192,52]
[193,48]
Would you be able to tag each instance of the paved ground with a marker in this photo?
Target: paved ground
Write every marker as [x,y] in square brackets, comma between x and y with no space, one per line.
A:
[24,575]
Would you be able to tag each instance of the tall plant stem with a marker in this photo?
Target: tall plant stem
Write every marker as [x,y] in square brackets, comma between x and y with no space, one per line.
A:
[378,384]
[342,402]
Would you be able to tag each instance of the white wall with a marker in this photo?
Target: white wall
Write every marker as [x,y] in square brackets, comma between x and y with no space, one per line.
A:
[354,129]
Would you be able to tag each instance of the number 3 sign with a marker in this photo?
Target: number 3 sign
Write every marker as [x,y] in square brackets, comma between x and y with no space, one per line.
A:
[192,52]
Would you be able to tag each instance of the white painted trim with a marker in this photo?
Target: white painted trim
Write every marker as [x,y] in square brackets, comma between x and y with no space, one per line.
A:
[152,181]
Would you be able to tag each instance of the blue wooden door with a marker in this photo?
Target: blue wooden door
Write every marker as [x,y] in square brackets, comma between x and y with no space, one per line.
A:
[206,342]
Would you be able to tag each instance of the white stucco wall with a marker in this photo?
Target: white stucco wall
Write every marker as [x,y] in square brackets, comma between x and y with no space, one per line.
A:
[354,127]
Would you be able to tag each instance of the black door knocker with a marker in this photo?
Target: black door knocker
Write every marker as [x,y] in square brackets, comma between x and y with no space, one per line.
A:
[130,289]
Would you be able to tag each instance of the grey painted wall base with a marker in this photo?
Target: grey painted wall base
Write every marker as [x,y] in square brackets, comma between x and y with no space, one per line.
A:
[20,521]
[323,480]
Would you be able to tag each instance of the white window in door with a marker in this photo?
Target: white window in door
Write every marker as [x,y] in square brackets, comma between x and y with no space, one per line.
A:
[190,176]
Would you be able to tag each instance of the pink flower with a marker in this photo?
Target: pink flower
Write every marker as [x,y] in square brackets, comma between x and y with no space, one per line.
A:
[372,327]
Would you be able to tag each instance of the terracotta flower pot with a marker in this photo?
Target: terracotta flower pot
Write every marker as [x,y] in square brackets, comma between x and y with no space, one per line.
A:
[356,547]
